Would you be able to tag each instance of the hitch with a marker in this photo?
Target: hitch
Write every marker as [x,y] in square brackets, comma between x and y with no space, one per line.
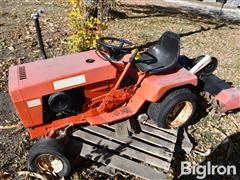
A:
[35,18]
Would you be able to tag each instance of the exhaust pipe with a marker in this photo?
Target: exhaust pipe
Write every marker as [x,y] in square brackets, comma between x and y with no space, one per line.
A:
[35,18]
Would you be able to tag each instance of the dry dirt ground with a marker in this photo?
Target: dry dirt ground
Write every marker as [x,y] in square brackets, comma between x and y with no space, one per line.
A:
[199,35]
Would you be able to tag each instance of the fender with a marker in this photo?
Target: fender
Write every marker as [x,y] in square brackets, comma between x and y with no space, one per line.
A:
[153,87]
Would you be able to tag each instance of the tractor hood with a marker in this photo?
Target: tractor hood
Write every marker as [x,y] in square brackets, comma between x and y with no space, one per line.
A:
[40,78]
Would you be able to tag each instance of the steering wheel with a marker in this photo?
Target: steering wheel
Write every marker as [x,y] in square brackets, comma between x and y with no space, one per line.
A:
[115,46]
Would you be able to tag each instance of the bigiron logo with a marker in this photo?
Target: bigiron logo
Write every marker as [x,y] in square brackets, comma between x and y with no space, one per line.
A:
[201,171]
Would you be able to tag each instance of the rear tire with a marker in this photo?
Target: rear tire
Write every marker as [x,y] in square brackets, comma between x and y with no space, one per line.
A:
[49,156]
[175,110]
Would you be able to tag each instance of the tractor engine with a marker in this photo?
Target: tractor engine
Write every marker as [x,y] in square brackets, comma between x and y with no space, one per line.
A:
[63,104]
[46,91]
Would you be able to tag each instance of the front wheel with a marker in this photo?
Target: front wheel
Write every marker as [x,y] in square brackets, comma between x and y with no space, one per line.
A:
[175,110]
[49,156]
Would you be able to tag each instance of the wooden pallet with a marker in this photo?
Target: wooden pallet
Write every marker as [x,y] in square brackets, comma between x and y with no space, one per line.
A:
[147,154]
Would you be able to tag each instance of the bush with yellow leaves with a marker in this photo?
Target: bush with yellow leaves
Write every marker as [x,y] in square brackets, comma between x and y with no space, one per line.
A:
[85,29]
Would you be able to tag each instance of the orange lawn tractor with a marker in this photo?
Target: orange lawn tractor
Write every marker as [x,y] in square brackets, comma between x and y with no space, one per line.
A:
[113,84]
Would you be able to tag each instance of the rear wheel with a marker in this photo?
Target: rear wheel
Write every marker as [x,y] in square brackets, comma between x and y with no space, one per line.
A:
[175,110]
[49,156]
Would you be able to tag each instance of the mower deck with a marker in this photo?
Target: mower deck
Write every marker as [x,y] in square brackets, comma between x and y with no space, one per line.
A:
[137,154]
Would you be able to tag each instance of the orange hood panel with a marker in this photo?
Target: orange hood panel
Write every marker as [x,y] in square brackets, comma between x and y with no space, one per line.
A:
[40,78]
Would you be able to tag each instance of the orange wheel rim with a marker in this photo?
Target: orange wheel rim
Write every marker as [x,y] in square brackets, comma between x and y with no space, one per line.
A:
[179,114]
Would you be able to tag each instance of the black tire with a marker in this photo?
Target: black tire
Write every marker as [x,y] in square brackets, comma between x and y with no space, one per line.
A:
[159,112]
[52,147]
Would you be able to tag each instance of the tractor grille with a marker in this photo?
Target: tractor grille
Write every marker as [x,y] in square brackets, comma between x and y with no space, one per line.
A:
[22,73]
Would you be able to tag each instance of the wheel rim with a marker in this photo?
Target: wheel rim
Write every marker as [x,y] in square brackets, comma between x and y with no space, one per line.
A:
[179,114]
[49,163]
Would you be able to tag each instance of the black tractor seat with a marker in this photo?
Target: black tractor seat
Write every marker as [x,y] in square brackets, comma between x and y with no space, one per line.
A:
[161,57]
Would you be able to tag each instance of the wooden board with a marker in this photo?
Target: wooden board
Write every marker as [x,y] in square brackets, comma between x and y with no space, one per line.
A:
[147,154]
[150,123]
[118,162]
[106,170]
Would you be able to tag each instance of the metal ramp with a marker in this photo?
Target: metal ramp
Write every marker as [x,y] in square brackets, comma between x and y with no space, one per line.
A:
[147,154]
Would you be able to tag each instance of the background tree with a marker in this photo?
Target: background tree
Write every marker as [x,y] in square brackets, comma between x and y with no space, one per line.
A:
[87,22]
